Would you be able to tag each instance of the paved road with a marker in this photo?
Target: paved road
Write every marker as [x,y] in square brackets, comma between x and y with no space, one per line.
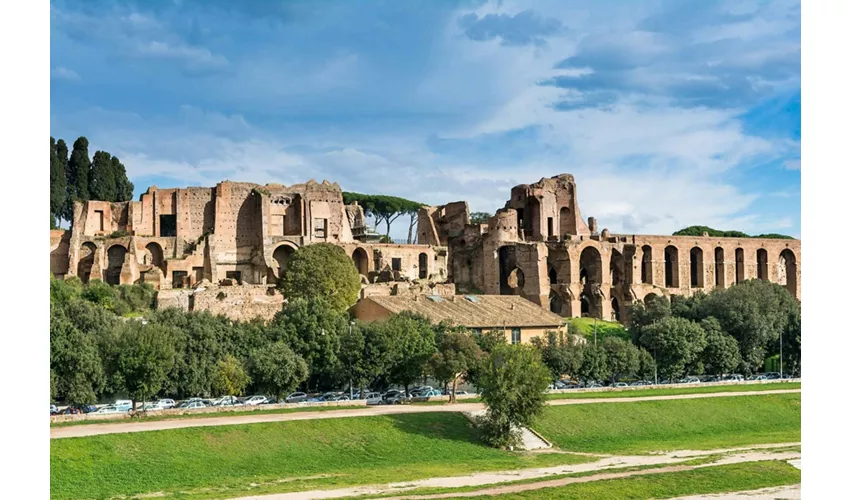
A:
[142,426]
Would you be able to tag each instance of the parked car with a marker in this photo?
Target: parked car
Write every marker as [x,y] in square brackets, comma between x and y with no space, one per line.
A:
[639,383]
[733,378]
[268,401]
[166,403]
[152,407]
[109,409]
[296,397]
[255,400]
[593,385]
[690,380]
[228,401]
[195,405]
[123,402]
[619,384]
[54,410]
[374,398]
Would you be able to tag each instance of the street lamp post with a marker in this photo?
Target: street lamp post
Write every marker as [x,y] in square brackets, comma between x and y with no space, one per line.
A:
[780,354]
[350,385]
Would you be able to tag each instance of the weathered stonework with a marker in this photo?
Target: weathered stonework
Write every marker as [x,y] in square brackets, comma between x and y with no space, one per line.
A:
[537,246]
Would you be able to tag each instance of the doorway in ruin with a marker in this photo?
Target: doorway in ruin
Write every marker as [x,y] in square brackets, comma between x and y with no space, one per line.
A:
[615,309]
[671,267]
[788,271]
[719,268]
[646,265]
[617,268]
[566,222]
[761,261]
[590,264]
[533,224]
[115,260]
[361,261]
[153,255]
[507,264]
[558,305]
[697,270]
[585,306]
[86,261]
[423,266]
[739,265]
[648,298]
[281,256]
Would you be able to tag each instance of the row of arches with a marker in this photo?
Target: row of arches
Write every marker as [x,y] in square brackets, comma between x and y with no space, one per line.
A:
[115,256]
[283,253]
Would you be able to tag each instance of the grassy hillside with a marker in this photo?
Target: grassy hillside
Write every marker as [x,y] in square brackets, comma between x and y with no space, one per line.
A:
[649,391]
[283,456]
[645,426]
[585,326]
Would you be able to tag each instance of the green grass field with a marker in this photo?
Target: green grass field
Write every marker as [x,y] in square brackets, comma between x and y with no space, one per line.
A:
[708,480]
[646,426]
[603,328]
[661,391]
[220,462]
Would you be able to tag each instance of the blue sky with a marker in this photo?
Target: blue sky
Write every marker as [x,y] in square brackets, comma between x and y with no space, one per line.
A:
[668,113]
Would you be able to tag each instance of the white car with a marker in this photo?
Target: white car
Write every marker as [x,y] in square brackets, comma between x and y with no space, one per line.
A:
[195,405]
[374,398]
[227,401]
[152,407]
[620,384]
[166,403]
[255,400]
[123,402]
[109,409]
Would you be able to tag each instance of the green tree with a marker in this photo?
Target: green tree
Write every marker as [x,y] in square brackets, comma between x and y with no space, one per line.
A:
[312,329]
[123,186]
[676,343]
[754,312]
[512,384]
[74,358]
[560,353]
[102,178]
[646,366]
[623,357]
[146,358]
[367,353]
[457,354]
[791,345]
[646,312]
[277,369]
[322,270]
[58,185]
[79,166]
[230,378]
[479,217]
[66,211]
[594,363]
[384,209]
[721,354]
[413,339]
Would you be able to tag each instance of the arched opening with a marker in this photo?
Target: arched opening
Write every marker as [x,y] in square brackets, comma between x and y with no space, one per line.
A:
[646,265]
[553,276]
[739,265]
[648,298]
[761,260]
[115,260]
[671,267]
[533,224]
[361,261]
[507,263]
[86,261]
[153,255]
[566,222]
[516,281]
[788,271]
[615,309]
[719,268]
[590,265]
[697,273]
[423,265]
[585,306]
[282,256]
[557,304]
[617,267]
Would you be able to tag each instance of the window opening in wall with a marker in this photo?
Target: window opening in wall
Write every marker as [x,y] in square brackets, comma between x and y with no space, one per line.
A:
[761,261]
[198,273]
[739,265]
[519,218]
[550,227]
[168,225]
[396,264]
[321,226]
[423,265]
[177,278]
[234,275]
[516,336]
[98,217]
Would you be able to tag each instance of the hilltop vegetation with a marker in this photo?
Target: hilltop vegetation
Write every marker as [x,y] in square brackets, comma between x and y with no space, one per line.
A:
[699,230]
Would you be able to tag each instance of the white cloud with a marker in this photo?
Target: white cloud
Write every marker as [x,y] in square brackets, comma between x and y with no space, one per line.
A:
[61,73]
[793,164]
[193,56]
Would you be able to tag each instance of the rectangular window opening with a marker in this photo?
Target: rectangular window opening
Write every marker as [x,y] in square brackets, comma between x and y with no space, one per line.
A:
[321,228]
[396,264]
[168,225]
[177,279]
[550,227]
[516,336]
[234,275]
[98,217]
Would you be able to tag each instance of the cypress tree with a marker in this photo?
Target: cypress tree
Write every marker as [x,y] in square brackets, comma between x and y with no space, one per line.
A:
[123,186]
[57,185]
[80,165]
[67,212]
[102,178]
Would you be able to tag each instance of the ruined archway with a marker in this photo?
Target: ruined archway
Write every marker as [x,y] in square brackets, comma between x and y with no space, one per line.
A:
[423,265]
[153,255]
[788,271]
[761,261]
[361,261]
[566,222]
[553,275]
[86,261]
[739,265]
[507,263]
[585,306]
[282,255]
[533,224]
[617,267]
[615,310]
[697,268]
[558,305]
[590,264]
[648,298]
[115,260]
[516,281]
[646,265]
[671,267]
[719,268]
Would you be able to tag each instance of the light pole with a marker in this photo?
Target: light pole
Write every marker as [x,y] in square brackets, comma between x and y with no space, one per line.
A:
[655,351]
[780,354]
[350,386]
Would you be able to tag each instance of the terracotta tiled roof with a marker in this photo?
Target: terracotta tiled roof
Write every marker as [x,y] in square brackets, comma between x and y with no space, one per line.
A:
[473,311]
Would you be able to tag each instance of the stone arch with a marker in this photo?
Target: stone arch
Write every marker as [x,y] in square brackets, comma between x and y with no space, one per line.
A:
[153,255]
[423,265]
[646,265]
[739,265]
[115,260]
[615,310]
[590,265]
[566,222]
[553,275]
[697,268]
[558,305]
[361,261]
[649,297]
[86,261]
[671,267]
[281,256]
[533,224]
[788,270]
[761,261]
[585,306]
[507,263]
[719,268]
[617,267]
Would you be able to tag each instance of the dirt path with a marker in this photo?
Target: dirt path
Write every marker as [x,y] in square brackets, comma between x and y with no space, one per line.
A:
[484,479]
[778,493]
[156,425]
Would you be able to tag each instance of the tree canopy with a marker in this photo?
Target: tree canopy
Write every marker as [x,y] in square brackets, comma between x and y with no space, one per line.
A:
[479,217]
[457,354]
[383,208]
[58,185]
[322,270]
[699,230]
